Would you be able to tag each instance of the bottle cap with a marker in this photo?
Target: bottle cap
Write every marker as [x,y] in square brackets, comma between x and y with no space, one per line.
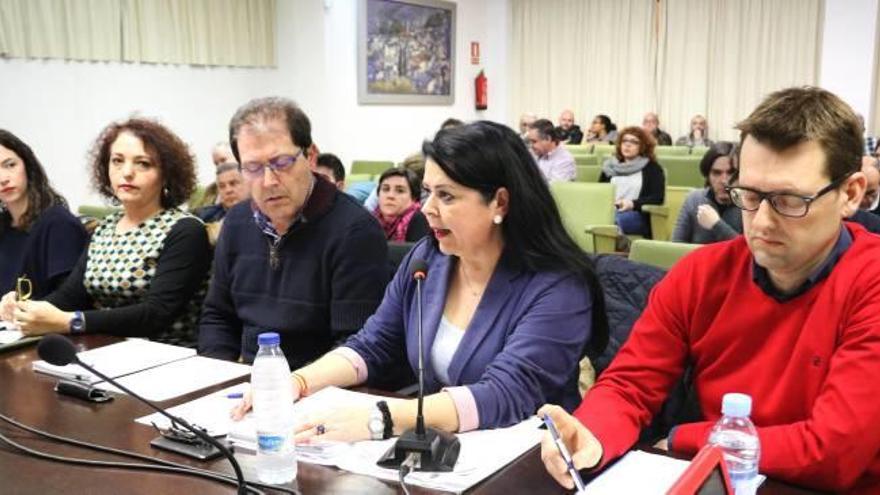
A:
[268,338]
[736,405]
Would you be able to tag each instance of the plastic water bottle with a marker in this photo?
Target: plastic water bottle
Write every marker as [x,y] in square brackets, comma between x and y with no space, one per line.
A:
[737,438]
[273,412]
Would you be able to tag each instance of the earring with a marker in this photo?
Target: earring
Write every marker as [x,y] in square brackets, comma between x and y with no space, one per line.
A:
[497,219]
[165,192]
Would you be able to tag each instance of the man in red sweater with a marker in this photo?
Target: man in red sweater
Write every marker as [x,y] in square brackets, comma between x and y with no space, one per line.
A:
[788,313]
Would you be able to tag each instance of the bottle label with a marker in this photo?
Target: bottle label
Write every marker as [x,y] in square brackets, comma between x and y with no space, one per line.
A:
[270,443]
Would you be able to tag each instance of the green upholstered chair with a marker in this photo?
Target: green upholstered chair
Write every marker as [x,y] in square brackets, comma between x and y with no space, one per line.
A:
[682,170]
[663,217]
[586,160]
[699,150]
[587,211]
[352,178]
[662,254]
[372,167]
[604,149]
[588,173]
[95,211]
[672,150]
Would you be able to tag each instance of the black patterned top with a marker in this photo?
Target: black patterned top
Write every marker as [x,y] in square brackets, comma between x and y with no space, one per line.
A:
[146,282]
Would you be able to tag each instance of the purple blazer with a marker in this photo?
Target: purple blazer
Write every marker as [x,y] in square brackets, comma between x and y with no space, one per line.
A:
[522,346]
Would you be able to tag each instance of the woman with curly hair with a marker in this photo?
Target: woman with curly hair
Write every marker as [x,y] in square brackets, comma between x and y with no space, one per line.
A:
[39,238]
[144,264]
[637,177]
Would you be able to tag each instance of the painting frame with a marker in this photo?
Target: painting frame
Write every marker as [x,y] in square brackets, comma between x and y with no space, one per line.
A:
[438,83]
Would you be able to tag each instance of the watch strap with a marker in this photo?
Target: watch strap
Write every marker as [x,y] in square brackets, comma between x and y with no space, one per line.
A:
[386,419]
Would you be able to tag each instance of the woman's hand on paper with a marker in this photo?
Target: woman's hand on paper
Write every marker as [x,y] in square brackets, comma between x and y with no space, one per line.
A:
[344,424]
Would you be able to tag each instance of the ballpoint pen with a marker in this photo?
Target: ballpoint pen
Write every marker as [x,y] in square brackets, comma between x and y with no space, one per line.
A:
[563,451]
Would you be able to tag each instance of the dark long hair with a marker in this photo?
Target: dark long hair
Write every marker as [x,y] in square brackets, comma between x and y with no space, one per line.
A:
[486,156]
[40,194]
[716,151]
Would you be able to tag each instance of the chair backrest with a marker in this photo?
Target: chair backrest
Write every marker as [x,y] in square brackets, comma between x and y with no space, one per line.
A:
[672,150]
[663,225]
[396,252]
[603,149]
[587,160]
[372,167]
[662,254]
[588,173]
[582,204]
[95,211]
[682,170]
[352,178]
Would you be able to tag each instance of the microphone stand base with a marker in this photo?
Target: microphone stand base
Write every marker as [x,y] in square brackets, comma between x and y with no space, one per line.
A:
[438,451]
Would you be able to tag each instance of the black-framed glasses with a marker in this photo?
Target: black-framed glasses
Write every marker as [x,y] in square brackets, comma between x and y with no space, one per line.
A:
[786,204]
[254,170]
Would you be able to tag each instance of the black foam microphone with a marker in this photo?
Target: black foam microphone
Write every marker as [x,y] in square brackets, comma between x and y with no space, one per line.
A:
[424,449]
[59,350]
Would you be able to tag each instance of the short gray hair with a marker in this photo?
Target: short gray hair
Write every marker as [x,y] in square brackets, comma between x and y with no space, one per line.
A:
[260,110]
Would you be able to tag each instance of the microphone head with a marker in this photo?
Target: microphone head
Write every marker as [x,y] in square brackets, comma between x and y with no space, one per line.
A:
[418,269]
[57,349]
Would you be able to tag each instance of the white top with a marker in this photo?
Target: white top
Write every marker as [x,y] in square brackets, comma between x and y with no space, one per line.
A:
[445,344]
[627,186]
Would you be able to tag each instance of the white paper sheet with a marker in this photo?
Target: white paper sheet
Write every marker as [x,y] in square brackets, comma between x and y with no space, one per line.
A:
[115,360]
[9,336]
[180,377]
[641,472]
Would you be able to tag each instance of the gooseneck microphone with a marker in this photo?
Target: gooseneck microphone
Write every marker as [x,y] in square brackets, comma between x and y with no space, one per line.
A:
[59,350]
[421,448]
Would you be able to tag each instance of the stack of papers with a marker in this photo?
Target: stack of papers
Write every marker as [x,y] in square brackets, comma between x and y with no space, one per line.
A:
[115,360]
[482,452]
[153,370]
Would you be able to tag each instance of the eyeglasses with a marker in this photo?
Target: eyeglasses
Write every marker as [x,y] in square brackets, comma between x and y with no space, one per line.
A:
[786,204]
[630,141]
[281,163]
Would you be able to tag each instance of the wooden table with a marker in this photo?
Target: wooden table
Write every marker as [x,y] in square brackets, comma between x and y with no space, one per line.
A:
[29,397]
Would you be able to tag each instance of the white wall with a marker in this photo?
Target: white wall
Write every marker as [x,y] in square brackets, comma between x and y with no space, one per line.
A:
[60,107]
[848,51]
[392,132]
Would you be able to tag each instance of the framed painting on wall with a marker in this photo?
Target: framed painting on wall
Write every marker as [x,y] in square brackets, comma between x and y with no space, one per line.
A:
[406,52]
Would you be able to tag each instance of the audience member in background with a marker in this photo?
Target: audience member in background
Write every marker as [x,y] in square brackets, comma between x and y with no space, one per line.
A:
[232,189]
[872,191]
[638,180]
[789,313]
[144,264]
[602,130]
[708,215]
[870,141]
[331,168]
[301,258]
[416,159]
[554,161]
[498,245]
[863,215]
[571,133]
[651,125]
[399,207]
[39,238]
[698,135]
[450,123]
[525,120]
[221,153]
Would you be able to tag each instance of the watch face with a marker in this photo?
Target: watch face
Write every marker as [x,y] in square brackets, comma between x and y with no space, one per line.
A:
[376,426]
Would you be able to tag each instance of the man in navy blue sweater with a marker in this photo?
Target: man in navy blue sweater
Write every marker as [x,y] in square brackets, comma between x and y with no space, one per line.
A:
[300,258]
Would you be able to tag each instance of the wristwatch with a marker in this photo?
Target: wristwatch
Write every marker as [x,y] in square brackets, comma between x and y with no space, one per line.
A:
[77,323]
[379,423]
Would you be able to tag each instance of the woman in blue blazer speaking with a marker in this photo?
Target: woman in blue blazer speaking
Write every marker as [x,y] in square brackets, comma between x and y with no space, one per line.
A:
[511,303]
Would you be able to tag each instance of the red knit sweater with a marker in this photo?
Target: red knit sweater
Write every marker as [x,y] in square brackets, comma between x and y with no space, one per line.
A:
[811,365]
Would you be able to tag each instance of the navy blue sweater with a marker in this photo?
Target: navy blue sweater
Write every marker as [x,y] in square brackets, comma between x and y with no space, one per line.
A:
[332,272]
